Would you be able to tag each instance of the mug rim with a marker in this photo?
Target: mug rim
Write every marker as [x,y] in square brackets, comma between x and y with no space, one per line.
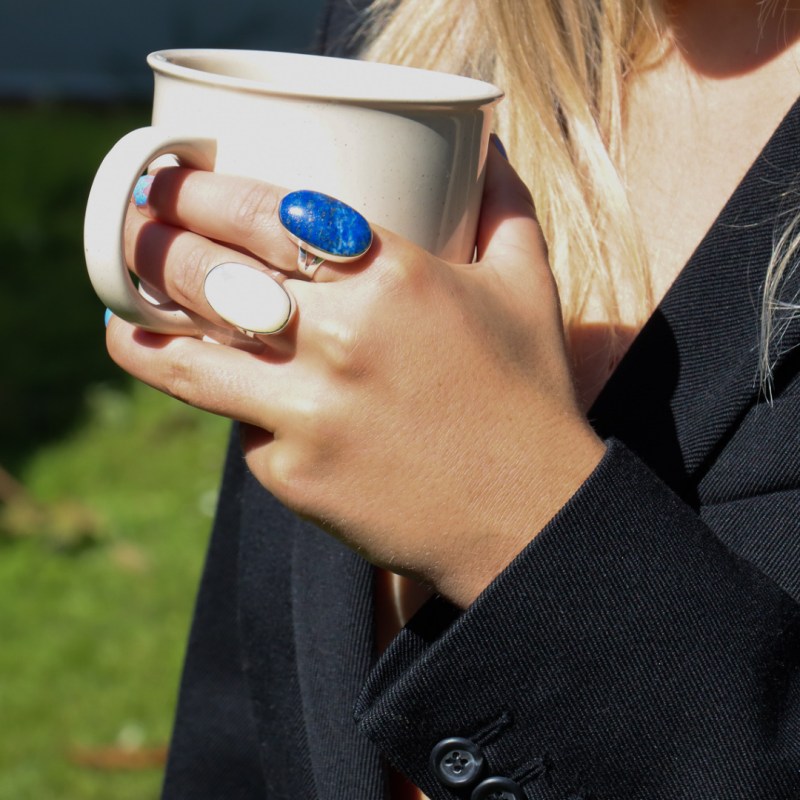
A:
[472,92]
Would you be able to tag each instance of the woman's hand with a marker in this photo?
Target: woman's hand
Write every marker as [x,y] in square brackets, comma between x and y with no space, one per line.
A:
[422,412]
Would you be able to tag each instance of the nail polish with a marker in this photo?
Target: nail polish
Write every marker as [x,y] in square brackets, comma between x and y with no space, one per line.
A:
[247,298]
[142,190]
[107,318]
[500,146]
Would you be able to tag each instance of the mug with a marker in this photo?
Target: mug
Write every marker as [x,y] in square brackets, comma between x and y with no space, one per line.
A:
[404,147]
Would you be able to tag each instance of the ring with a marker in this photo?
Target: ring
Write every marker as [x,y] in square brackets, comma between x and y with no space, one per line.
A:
[248,299]
[324,229]
[307,263]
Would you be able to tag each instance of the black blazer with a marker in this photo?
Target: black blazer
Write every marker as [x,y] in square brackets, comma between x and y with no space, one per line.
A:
[646,644]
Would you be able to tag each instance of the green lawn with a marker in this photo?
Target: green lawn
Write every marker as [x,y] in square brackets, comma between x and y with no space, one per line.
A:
[98,569]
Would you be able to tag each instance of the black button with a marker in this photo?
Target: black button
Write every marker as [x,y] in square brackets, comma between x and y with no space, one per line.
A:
[457,762]
[497,788]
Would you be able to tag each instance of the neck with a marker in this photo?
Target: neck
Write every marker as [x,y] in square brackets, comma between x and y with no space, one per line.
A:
[726,38]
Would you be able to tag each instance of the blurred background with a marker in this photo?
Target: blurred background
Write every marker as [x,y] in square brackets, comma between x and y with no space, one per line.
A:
[107,488]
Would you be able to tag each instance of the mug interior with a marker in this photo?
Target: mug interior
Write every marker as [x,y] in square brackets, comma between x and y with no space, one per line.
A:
[322,77]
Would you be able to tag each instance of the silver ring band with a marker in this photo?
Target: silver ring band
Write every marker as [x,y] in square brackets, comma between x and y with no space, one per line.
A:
[308,263]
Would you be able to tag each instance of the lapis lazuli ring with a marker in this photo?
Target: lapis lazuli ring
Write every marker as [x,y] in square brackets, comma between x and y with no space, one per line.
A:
[324,229]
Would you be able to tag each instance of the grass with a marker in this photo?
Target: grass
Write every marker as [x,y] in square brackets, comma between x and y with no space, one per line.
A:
[99,565]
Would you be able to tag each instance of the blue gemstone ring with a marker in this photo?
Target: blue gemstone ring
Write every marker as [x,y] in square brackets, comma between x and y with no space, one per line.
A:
[324,229]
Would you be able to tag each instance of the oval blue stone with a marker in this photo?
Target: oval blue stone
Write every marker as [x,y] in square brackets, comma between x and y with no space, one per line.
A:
[326,224]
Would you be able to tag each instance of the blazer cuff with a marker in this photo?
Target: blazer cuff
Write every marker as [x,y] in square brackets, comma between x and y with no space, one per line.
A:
[625,653]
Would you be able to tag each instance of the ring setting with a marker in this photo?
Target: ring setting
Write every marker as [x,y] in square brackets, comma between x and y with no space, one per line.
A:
[248,299]
[308,263]
[324,229]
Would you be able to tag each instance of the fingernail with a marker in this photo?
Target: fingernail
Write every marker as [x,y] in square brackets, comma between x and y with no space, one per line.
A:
[247,298]
[109,313]
[500,146]
[142,190]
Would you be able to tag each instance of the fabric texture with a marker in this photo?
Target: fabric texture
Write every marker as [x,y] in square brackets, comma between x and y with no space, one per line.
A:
[645,645]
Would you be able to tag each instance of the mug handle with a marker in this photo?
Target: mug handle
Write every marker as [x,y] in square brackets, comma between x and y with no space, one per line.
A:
[109,200]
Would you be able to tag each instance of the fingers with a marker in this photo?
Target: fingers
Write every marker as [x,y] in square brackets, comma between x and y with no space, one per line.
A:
[508,231]
[261,219]
[286,408]
[178,264]
[237,211]
[195,243]
[223,380]
[246,214]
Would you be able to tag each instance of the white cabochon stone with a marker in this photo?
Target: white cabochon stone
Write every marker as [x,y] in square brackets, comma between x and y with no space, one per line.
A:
[247,298]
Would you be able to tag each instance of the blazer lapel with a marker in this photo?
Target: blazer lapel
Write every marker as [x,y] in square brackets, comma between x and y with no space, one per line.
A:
[694,366]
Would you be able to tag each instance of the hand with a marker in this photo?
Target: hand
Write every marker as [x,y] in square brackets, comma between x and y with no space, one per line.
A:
[422,412]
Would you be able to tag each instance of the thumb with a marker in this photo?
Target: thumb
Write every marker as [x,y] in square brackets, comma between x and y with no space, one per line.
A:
[509,235]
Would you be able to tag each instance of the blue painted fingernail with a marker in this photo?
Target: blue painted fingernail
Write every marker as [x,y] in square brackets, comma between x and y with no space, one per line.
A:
[500,146]
[109,313]
[325,226]
[142,190]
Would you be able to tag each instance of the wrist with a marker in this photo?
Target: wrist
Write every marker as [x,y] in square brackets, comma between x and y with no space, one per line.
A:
[561,465]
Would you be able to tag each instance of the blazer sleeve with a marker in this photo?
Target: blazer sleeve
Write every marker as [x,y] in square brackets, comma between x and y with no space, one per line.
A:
[625,653]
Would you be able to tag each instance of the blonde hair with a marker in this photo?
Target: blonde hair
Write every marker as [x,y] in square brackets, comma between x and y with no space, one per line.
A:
[777,312]
[563,65]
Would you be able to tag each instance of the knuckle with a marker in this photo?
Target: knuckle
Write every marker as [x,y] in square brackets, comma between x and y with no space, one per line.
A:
[130,232]
[253,210]
[407,276]
[315,417]
[343,346]
[287,478]
[180,376]
[404,272]
[305,414]
[187,277]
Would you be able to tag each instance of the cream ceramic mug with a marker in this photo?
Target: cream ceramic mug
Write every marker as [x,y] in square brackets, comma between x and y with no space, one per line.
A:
[405,147]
